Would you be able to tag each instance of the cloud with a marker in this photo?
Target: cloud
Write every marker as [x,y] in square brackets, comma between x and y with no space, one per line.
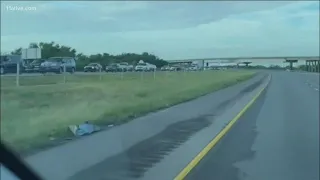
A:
[171,30]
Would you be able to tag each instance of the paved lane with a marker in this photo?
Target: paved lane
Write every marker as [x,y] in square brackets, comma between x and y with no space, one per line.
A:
[142,146]
[278,138]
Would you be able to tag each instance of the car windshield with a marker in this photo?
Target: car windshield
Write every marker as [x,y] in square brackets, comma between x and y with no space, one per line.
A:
[37,61]
[141,90]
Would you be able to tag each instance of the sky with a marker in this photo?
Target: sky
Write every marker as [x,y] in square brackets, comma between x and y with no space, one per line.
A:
[170,29]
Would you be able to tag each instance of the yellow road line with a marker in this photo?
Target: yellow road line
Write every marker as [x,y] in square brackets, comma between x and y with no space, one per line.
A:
[213,142]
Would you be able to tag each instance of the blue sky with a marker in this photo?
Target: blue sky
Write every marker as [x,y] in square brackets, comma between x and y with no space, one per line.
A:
[171,30]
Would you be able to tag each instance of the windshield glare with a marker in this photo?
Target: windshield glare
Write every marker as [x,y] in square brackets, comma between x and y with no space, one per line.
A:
[151,90]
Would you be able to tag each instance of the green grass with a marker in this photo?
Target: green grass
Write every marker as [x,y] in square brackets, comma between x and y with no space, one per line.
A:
[31,114]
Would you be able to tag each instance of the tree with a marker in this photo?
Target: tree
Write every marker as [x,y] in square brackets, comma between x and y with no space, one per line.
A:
[275,67]
[17,51]
[55,50]
[259,67]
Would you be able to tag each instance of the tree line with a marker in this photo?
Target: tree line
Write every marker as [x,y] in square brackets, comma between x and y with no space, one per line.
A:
[52,49]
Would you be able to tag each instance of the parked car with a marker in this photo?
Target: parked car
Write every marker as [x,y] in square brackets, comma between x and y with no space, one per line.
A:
[124,66]
[9,63]
[34,66]
[58,64]
[193,68]
[93,67]
[165,68]
[112,67]
[175,68]
[142,66]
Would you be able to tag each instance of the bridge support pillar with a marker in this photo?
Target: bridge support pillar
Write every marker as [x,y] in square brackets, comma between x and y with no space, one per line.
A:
[317,65]
[313,65]
[291,63]
[247,64]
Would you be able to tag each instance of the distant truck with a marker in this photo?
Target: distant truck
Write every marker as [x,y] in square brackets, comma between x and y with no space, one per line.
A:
[31,53]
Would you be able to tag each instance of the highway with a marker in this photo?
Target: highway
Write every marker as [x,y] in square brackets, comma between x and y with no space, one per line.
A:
[140,148]
[278,138]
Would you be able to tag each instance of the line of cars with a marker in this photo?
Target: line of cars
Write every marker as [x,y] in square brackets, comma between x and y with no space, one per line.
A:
[56,65]
[53,64]
[65,64]
[120,67]
[180,68]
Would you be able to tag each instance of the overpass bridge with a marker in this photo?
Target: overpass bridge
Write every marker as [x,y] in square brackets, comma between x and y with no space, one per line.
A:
[312,62]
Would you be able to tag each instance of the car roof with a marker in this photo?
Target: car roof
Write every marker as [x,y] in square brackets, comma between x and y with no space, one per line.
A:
[61,57]
[13,58]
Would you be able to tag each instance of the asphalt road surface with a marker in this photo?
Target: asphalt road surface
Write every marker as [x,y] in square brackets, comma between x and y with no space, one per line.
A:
[277,138]
[141,146]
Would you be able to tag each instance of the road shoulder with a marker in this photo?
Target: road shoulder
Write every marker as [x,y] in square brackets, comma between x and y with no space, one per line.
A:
[79,155]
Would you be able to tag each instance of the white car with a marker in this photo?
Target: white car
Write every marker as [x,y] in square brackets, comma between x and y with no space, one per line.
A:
[145,67]
[193,68]
[124,66]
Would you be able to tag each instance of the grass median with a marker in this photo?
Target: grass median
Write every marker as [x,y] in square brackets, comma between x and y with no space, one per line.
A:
[32,114]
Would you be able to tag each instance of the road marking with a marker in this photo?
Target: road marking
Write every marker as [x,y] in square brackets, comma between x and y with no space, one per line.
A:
[185,171]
